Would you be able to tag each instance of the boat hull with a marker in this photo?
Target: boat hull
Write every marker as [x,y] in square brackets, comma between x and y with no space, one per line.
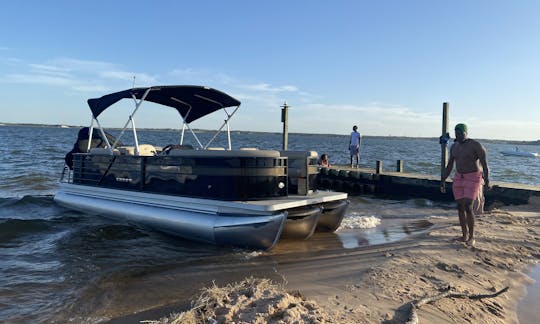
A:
[332,215]
[301,222]
[520,153]
[197,221]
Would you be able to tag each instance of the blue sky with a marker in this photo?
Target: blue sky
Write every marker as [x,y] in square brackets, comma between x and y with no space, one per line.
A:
[386,66]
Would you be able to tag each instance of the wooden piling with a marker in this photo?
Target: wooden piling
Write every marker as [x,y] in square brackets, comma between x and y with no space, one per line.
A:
[378,168]
[285,121]
[444,139]
[399,166]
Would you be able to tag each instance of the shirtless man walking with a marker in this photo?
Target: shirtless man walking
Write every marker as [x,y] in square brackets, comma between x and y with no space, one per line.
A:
[471,167]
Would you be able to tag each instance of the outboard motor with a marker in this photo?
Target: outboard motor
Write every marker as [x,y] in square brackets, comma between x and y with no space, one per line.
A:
[81,145]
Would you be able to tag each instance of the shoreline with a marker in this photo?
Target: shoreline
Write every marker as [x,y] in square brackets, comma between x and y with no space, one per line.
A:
[397,137]
[375,284]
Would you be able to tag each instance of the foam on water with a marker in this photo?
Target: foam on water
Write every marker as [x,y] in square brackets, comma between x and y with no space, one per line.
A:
[355,221]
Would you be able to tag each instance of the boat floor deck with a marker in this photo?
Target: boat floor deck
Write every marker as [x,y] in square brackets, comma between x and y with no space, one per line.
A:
[293,201]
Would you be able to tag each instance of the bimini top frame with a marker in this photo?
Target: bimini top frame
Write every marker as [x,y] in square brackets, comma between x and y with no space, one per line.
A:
[191,102]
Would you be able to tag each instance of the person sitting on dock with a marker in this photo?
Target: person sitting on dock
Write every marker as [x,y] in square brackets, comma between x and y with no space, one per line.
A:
[471,166]
[354,146]
[324,162]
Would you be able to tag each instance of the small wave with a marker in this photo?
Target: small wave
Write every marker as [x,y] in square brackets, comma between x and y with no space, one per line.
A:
[28,207]
[12,229]
[421,202]
[45,200]
[31,183]
[360,222]
[251,255]
[105,233]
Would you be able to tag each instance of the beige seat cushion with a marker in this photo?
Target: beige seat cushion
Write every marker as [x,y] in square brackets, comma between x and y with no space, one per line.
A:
[144,150]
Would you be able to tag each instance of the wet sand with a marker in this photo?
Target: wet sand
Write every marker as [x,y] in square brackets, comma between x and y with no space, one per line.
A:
[367,284]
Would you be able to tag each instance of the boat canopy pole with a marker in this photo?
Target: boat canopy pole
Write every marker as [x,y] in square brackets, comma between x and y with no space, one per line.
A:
[104,136]
[229,135]
[185,124]
[135,135]
[182,133]
[225,123]
[90,134]
[130,119]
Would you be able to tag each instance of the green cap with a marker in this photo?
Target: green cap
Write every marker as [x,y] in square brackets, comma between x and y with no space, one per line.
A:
[461,127]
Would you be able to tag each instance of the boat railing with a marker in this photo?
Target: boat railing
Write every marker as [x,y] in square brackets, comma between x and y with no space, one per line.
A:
[220,174]
[67,174]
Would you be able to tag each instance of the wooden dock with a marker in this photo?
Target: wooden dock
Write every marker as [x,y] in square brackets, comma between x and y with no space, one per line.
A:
[357,181]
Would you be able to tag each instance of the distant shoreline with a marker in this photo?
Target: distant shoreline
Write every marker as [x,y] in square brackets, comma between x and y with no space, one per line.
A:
[537,142]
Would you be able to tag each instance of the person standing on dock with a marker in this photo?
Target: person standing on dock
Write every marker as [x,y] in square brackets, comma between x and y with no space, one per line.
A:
[354,145]
[471,166]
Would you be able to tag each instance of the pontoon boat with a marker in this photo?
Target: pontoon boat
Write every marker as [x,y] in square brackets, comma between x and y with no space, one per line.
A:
[243,197]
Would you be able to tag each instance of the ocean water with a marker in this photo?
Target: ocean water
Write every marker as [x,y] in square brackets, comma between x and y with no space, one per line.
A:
[60,265]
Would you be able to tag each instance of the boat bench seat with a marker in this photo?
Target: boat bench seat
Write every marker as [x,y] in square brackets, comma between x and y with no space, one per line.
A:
[103,151]
[144,150]
[225,153]
[301,167]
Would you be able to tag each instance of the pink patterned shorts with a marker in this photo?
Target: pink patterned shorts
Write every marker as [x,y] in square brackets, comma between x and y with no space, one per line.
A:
[467,185]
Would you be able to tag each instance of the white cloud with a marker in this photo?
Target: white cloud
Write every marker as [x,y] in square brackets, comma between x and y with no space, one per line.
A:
[200,76]
[76,75]
[90,88]
[39,79]
[50,70]
[81,65]
[265,87]
[141,79]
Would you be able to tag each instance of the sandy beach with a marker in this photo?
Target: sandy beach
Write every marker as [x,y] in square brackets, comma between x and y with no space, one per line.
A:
[376,284]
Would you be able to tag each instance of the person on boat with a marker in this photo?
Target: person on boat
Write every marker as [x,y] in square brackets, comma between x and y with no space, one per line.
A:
[354,145]
[470,158]
[324,162]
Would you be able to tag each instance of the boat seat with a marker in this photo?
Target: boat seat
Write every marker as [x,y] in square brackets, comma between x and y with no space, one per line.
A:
[299,154]
[144,150]
[103,151]
[301,166]
[224,153]
[165,150]
[298,161]
[147,150]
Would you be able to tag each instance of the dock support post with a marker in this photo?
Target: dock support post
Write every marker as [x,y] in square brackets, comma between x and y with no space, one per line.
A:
[399,166]
[444,138]
[285,121]
[378,168]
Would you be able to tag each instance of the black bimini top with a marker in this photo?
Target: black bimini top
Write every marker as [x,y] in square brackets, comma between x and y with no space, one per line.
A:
[201,100]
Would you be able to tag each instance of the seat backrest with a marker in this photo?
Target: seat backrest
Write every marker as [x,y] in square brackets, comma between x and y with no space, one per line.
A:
[103,151]
[144,150]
